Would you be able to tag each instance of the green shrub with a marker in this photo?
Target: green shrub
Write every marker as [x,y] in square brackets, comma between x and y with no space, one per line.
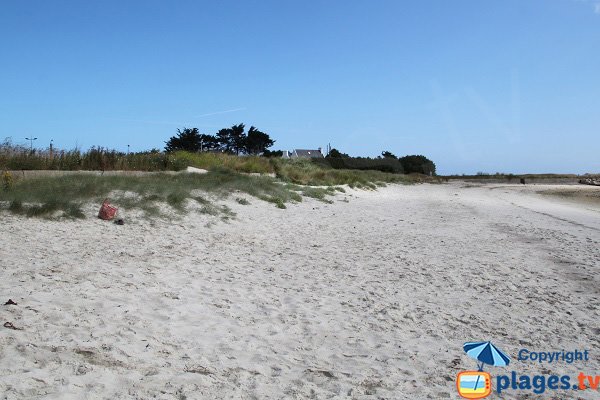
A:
[417,164]
[390,165]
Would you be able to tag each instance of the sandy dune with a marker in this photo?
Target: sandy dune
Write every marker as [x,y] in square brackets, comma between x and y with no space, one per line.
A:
[367,299]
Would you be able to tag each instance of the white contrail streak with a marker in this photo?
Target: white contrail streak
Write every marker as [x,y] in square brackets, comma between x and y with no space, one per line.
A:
[145,121]
[219,112]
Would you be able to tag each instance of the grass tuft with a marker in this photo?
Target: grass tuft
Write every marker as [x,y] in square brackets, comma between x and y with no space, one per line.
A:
[16,207]
[177,200]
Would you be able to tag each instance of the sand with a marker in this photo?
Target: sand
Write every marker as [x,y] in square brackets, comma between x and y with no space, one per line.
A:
[369,297]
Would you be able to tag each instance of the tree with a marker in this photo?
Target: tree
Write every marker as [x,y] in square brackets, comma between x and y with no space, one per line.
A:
[387,154]
[238,138]
[335,153]
[417,164]
[257,142]
[232,140]
[224,139]
[209,142]
[189,140]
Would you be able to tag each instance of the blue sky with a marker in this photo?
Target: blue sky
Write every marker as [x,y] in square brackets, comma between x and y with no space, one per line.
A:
[511,86]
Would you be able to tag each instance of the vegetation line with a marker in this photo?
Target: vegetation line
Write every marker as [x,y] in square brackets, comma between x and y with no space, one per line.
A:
[232,157]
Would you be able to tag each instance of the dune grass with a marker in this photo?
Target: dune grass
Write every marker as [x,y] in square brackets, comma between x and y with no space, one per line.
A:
[295,179]
[64,196]
[221,161]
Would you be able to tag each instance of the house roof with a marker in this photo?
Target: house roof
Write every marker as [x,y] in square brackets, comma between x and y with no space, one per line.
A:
[308,153]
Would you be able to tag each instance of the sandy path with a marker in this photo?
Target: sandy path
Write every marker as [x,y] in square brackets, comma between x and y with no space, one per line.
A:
[367,299]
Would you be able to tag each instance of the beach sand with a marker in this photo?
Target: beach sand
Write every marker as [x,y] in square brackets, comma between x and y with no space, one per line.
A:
[370,297]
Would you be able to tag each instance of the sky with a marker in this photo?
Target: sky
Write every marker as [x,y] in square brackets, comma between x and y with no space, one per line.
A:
[477,86]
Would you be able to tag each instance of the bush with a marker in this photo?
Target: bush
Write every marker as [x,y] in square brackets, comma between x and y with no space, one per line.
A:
[417,164]
[274,153]
[376,164]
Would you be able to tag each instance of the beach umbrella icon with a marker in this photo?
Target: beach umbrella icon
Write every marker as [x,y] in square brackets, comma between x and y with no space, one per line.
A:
[486,353]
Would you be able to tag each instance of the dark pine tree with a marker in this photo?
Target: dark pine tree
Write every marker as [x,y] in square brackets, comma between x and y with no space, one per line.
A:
[238,138]
[187,139]
[209,142]
[224,138]
[257,142]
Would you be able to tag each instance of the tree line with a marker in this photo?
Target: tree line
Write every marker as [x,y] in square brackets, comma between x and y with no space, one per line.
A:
[234,140]
[387,162]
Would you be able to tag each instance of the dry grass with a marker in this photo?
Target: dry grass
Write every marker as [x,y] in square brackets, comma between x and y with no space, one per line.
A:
[585,194]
